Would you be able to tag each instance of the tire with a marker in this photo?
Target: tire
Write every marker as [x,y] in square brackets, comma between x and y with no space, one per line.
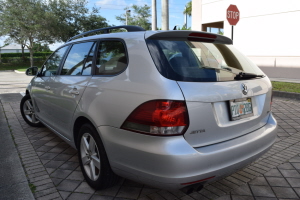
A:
[28,113]
[93,159]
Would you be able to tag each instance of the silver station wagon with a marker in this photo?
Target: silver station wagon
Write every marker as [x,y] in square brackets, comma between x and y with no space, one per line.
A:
[169,109]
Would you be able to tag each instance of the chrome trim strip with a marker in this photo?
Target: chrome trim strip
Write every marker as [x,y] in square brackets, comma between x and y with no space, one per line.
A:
[52,129]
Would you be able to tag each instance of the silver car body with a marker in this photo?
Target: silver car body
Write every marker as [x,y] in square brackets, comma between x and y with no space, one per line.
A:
[212,146]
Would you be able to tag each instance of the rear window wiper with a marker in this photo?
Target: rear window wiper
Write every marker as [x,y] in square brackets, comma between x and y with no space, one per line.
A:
[239,76]
[243,76]
[226,69]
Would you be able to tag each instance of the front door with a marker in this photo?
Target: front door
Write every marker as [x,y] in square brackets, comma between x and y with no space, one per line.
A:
[69,85]
[41,91]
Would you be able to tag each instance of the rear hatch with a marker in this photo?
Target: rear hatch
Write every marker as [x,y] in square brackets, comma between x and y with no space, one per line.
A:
[227,95]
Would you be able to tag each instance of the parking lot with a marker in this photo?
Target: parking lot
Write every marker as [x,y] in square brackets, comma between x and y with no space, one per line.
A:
[52,167]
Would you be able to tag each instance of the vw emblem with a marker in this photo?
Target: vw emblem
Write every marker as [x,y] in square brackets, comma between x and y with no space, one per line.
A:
[244,89]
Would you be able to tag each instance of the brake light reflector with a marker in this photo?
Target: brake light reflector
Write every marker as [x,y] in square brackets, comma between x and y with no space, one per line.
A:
[198,181]
[203,35]
[158,117]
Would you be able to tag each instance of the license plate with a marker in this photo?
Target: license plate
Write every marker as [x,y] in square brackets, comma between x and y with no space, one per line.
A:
[240,108]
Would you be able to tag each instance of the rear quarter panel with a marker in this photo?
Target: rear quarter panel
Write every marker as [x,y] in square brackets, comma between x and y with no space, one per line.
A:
[109,100]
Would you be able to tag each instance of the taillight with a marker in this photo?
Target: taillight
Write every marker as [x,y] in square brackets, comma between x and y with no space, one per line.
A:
[202,37]
[158,117]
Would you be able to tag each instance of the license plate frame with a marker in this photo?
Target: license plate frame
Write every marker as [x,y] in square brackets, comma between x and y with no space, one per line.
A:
[240,108]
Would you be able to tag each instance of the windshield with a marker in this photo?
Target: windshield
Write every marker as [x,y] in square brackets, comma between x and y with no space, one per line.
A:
[198,61]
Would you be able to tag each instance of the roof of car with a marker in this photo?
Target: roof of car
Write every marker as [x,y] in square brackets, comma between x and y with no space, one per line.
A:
[108,30]
[136,30]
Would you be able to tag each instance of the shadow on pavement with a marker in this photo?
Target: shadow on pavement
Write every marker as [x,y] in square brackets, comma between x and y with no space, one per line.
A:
[10,97]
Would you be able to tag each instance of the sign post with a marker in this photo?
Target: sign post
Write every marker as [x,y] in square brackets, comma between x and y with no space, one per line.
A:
[233,16]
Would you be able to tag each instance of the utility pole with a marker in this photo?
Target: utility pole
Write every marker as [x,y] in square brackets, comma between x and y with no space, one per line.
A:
[165,14]
[154,16]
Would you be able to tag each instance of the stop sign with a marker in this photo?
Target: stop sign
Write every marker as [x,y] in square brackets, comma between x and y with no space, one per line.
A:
[233,15]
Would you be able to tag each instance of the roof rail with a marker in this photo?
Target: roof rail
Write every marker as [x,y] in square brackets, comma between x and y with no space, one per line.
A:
[106,30]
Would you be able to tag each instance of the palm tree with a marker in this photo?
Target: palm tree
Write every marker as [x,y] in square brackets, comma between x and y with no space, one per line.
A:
[188,9]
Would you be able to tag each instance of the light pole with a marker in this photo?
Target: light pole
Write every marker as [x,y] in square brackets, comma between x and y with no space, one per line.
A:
[165,14]
[154,15]
[127,11]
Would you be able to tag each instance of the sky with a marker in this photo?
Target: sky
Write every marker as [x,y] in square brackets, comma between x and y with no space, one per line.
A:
[109,9]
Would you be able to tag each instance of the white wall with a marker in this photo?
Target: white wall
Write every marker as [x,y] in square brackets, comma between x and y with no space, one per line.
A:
[267,30]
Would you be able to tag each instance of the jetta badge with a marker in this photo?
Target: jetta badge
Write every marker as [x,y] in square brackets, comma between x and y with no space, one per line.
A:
[244,89]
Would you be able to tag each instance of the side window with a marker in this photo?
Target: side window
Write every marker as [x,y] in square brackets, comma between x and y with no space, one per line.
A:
[52,64]
[87,69]
[77,58]
[111,58]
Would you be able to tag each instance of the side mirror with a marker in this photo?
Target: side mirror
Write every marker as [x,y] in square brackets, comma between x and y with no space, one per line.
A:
[31,71]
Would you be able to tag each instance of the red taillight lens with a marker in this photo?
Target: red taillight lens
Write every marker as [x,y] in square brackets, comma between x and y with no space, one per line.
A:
[158,117]
[190,183]
[203,35]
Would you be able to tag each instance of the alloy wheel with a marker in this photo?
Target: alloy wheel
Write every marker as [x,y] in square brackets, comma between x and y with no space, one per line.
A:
[29,112]
[90,156]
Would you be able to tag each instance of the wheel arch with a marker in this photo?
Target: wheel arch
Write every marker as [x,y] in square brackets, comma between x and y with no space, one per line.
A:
[77,124]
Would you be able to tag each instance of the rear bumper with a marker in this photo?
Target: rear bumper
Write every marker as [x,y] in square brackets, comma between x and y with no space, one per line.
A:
[168,162]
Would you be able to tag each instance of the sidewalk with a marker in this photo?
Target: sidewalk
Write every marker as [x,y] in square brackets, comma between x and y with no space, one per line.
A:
[13,181]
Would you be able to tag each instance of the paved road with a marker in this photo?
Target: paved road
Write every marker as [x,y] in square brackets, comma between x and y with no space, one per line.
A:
[11,82]
[52,166]
[282,72]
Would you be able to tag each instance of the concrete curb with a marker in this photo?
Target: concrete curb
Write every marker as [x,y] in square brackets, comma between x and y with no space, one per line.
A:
[290,95]
[19,72]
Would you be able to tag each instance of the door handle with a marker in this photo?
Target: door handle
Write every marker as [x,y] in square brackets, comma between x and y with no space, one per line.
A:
[74,91]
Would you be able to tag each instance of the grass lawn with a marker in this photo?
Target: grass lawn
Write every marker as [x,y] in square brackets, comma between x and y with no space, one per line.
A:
[286,87]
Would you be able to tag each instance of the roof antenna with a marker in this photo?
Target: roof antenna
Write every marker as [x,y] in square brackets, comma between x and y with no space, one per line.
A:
[175,28]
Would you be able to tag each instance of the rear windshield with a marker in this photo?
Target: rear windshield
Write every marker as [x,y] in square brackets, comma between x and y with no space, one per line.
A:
[195,61]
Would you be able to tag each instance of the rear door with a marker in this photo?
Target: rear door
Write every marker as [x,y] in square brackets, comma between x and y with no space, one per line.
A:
[221,104]
[221,111]
[69,85]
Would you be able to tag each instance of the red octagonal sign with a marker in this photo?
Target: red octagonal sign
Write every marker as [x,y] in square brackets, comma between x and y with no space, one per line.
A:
[233,15]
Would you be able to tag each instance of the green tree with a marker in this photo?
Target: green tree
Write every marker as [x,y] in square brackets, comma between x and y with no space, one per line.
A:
[183,28]
[139,16]
[188,9]
[28,22]
[16,37]
[37,47]
[73,17]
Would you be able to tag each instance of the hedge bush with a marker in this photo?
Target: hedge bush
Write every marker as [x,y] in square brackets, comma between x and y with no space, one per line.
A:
[19,55]
[21,60]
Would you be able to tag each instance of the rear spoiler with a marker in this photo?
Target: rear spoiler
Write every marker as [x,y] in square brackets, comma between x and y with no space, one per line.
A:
[187,35]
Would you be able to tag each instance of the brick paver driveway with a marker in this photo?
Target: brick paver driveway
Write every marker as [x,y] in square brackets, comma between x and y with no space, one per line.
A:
[52,165]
